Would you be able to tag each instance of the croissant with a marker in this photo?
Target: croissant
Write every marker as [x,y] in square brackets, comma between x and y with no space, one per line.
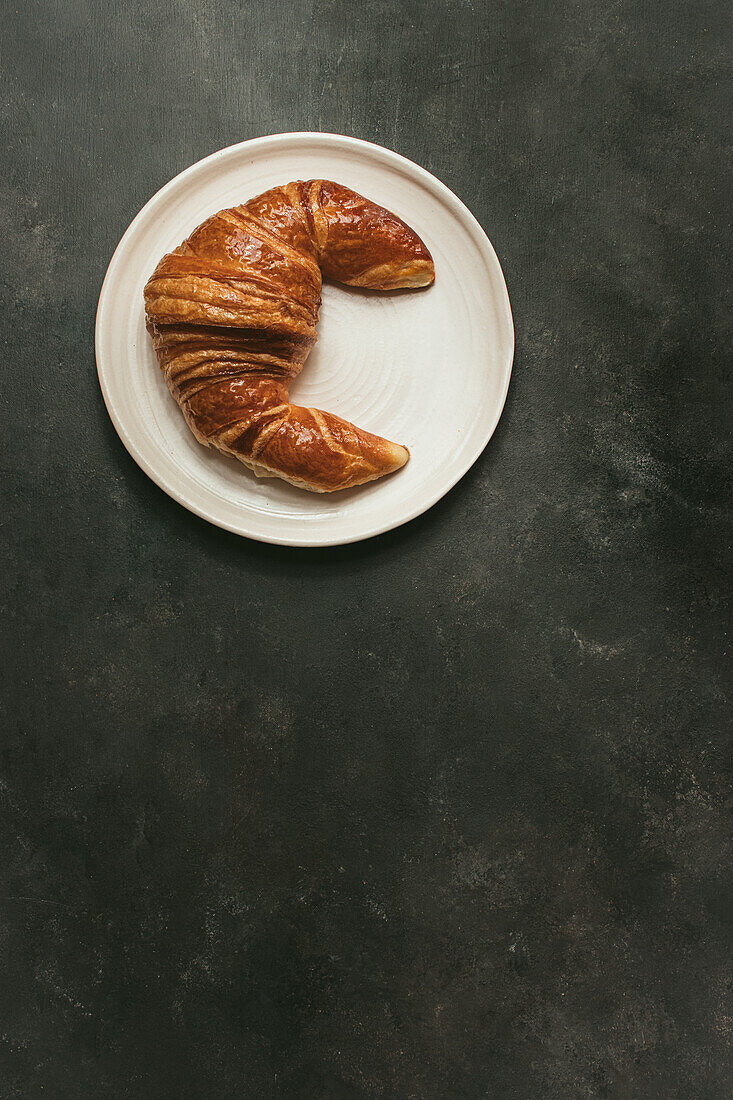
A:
[232,313]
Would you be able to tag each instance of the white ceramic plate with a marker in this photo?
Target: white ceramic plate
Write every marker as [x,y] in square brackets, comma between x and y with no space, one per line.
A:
[428,368]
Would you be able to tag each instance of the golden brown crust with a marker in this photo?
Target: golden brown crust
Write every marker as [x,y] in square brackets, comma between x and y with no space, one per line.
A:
[233,311]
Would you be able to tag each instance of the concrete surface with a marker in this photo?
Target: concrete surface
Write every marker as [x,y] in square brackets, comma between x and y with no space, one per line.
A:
[440,815]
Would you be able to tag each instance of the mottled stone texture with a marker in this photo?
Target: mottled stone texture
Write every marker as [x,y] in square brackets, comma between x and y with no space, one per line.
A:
[440,815]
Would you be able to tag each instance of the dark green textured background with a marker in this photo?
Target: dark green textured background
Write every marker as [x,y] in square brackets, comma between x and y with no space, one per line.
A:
[439,815]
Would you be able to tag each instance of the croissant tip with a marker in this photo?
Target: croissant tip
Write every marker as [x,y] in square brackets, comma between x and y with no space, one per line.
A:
[400,455]
[421,278]
[419,274]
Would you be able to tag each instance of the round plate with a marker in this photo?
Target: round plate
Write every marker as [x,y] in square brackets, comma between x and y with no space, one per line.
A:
[427,368]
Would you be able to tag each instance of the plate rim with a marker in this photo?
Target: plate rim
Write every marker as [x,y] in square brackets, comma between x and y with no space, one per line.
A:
[390,157]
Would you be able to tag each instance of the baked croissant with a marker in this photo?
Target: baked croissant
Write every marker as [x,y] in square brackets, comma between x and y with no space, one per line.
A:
[232,313]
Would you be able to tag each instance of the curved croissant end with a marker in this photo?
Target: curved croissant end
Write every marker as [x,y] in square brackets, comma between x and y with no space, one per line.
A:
[233,311]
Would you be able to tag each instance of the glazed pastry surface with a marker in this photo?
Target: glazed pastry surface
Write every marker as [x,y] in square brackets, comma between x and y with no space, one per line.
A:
[232,313]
